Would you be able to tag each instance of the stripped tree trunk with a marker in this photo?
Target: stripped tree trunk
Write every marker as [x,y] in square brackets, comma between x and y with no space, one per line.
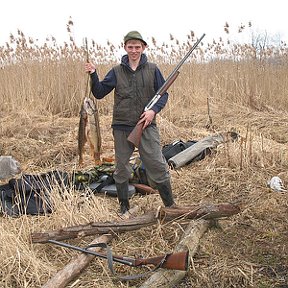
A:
[95,228]
[76,266]
[205,211]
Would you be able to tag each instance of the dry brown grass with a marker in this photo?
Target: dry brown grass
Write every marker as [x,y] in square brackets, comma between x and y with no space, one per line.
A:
[40,101]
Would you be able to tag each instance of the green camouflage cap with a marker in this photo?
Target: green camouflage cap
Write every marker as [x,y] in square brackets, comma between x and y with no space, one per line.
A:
[134,35]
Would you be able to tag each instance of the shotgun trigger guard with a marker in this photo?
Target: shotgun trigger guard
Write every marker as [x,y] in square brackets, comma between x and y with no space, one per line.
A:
[162,261]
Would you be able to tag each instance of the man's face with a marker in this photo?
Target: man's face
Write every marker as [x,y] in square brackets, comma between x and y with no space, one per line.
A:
[134,49]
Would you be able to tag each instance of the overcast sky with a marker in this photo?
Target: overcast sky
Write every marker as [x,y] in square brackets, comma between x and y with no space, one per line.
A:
[111,20]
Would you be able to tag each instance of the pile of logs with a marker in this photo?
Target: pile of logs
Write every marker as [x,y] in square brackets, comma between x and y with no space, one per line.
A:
[201,216]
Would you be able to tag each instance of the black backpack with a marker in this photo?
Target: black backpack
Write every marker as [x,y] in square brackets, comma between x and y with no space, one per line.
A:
[30,194]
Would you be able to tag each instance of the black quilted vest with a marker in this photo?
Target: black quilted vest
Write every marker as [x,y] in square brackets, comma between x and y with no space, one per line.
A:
[133,91]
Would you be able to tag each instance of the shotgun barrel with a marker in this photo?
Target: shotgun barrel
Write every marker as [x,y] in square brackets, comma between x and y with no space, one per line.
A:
[135,135]
[172,261]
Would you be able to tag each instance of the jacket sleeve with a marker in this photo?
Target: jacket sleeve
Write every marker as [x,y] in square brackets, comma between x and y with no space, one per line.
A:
[158,82]
[101,88]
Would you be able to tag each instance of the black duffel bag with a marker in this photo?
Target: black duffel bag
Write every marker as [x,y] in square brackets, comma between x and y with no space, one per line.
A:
[30,194]
[172,149]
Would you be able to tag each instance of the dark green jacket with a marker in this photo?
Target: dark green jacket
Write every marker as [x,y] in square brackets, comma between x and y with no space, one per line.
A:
[134,88]
[133,91]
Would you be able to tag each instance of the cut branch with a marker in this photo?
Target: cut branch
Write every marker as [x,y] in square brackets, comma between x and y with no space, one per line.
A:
[208,211]
[95,228]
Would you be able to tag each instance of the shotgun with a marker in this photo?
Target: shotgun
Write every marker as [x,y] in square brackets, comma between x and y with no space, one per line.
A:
[172,261]
[135,135]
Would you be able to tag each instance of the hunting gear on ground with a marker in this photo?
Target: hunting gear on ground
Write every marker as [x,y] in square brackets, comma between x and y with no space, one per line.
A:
[30,194]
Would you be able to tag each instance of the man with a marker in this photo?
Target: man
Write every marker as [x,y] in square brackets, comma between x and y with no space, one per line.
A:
[135,81]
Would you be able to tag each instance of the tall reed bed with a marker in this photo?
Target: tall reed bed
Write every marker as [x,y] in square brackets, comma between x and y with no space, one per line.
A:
[50,77]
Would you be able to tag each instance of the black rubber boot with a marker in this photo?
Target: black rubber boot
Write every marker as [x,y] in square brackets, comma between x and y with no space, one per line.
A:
[165,192]
[122,193]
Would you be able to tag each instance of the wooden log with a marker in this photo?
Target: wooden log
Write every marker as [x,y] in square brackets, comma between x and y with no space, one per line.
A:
[76,266]
[206,211]
[95,228]
[190,240]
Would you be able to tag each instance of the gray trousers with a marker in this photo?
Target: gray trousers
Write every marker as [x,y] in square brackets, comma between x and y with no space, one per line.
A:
[150,152]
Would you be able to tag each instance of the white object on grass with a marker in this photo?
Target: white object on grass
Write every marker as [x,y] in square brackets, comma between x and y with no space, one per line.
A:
[276,184]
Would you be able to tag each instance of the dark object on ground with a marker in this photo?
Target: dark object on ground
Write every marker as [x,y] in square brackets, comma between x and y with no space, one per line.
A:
[30,194]
[205,145]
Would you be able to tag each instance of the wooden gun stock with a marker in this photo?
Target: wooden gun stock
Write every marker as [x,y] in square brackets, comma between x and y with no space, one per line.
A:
[135,135]
[173,261]
[144,189]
